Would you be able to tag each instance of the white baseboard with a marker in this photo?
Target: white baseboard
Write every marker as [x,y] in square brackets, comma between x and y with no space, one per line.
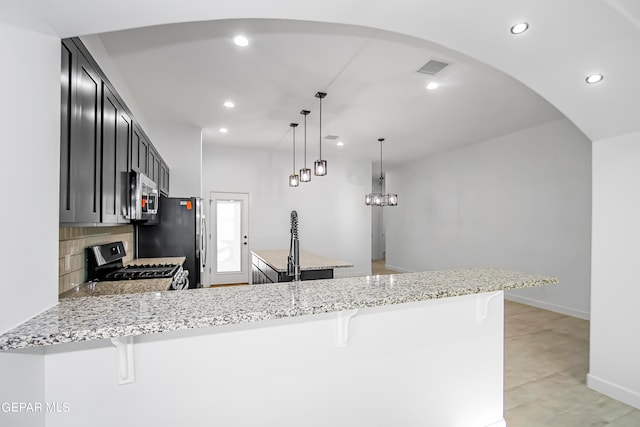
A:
[618,392]
[396,268]
[548,306]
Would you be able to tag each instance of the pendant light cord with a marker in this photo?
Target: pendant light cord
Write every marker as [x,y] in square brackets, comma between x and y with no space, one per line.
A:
[320,128]
[305,141]
[294,150]
[381,175]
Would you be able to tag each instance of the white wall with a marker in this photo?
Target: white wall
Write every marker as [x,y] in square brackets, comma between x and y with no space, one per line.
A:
[519,202]
[615,291]
[29,169]
[181,147]
[334,221]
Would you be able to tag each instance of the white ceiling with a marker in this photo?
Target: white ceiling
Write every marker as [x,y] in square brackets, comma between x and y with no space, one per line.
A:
[184,73]
[568,40]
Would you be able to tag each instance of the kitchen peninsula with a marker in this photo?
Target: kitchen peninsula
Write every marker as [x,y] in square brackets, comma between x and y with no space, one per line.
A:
[270,266]
[410,349]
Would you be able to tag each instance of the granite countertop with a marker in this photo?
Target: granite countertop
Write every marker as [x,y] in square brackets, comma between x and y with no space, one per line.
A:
[94,318]
[116,287]
[277,259]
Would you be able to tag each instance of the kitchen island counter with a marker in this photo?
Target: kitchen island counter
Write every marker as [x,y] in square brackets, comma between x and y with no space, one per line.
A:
[94,318]
[270,266]
[277,259]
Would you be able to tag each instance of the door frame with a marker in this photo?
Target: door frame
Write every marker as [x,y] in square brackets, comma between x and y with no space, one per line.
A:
[210,268]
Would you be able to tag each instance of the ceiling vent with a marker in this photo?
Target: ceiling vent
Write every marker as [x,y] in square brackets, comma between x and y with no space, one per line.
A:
[331,137]
[433,67]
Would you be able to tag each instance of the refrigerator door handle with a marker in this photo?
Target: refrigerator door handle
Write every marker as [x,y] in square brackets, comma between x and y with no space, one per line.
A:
[204,243]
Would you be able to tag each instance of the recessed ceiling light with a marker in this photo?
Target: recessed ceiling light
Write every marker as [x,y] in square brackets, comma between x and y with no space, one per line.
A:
[594,78]
[339,143]
[519,28]
[432,86]
[241,41]
[223,130]
[229,104]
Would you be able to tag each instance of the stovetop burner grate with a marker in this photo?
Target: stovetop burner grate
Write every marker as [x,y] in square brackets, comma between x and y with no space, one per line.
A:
[146,271]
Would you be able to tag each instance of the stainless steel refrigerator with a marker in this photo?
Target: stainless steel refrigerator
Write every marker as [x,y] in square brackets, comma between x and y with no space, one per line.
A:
[181,231]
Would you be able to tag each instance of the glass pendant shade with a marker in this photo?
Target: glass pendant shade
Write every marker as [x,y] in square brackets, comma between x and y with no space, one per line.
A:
[305,175]
[294,180]
[320,167]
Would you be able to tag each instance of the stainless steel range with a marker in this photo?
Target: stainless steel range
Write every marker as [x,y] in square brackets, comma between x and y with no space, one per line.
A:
[105,264]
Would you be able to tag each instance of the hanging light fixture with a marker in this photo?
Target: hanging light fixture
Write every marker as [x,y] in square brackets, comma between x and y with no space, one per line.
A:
[294,178]
[320,166]
[381,199]
[305,173]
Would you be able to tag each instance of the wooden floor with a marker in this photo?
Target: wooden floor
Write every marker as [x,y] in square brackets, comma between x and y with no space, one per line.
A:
[379,267]
[546,363]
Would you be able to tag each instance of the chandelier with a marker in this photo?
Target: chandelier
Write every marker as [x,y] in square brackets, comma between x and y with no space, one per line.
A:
[381,199]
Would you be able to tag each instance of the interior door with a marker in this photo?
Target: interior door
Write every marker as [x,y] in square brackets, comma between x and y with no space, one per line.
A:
[229,238]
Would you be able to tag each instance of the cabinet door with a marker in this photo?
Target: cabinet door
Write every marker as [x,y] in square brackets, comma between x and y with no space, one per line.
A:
[156,169]
[86,150]
[139,151]
[164,179]
[154,165]
[116,138]
[67,191]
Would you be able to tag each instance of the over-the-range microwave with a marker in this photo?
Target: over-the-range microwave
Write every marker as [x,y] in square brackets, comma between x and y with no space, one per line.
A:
[143,192]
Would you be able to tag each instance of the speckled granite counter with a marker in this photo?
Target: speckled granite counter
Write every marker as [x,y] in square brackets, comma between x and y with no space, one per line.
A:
[277,259]
[93,318]
[94,289]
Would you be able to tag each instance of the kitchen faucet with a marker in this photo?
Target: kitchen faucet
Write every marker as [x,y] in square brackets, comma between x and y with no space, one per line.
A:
[293,260]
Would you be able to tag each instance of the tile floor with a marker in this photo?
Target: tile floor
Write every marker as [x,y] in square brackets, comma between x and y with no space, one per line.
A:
[546,363]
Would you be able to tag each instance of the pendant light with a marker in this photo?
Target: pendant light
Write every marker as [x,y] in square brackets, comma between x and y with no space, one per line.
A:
[381,199]
[305,173]
[320,166]
[294,178]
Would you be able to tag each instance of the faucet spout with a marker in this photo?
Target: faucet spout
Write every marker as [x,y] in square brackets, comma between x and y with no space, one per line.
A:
[293,260]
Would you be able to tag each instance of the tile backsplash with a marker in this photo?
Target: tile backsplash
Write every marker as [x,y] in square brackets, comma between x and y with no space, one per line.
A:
[73,242]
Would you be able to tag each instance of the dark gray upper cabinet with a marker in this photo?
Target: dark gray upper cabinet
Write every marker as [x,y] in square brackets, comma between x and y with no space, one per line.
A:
[99,144]
[80,149]
[154,165]
[86,143]
[163,185]
[67,192]
[139,151]
[116,142]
